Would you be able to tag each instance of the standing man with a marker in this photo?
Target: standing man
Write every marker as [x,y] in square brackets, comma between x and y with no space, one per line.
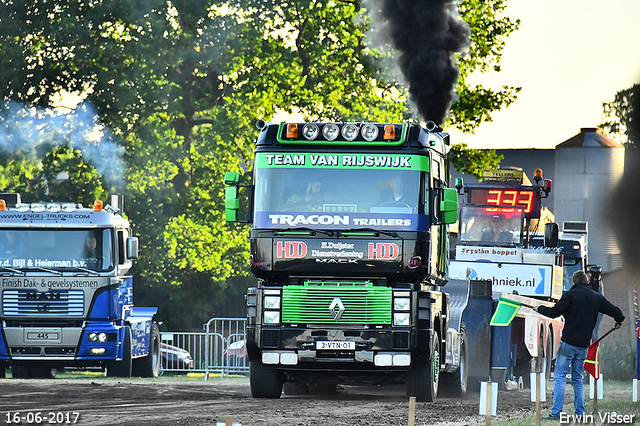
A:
[580,307]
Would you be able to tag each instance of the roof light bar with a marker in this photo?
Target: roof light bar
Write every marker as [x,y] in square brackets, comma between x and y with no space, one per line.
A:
[389,132]
[350,131]
[330,131]
[292,130]
[310,131]
[369,132]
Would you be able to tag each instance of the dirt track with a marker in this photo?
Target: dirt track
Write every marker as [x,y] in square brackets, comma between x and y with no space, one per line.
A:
[190,402]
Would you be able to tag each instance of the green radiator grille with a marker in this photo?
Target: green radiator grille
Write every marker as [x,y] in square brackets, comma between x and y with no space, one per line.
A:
[336,303]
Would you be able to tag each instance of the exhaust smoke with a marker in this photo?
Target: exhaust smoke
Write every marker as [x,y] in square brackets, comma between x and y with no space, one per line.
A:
[31,132]
[426,34]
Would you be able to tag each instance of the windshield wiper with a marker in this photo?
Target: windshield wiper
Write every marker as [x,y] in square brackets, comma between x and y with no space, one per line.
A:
[376,231]
[15,271]
[88,271]
[303,231]
[38,268]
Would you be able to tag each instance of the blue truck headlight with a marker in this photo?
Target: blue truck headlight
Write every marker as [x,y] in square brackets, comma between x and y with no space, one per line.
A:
[102,337]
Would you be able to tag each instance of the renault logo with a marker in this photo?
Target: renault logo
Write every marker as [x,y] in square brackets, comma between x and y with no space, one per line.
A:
[336,308]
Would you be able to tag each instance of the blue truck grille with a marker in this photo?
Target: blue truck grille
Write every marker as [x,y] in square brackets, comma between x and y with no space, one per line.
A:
[54,303]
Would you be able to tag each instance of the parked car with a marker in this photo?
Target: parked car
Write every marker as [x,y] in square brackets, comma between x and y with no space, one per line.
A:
[236,354]
[175,358]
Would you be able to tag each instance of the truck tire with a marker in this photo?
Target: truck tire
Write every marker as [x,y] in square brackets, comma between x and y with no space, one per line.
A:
[423,376]
[455,383]
[3,369]
[122,368]
[149,366]
[20,370]
[265,382]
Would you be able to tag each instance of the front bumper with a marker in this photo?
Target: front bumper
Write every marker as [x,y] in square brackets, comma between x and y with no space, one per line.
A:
[362,348]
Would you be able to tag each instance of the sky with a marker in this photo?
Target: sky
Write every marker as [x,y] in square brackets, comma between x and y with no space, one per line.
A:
[569,57]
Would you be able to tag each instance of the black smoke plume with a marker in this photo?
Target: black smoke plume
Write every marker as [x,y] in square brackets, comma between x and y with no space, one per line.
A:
[426,34]
[625,207]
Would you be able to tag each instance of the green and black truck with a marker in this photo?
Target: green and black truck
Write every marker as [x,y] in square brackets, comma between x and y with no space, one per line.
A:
[349,241]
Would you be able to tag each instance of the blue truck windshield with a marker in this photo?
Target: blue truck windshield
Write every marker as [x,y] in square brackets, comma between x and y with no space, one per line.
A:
[338,198]
[57,249]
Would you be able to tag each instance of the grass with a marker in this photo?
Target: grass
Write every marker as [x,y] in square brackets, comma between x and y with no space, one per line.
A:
[617,399]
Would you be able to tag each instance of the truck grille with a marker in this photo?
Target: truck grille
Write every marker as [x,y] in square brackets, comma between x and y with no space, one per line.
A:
[336,303]
[53,303]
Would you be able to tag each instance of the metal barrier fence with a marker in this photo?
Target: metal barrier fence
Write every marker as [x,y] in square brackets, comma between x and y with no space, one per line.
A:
[219,349]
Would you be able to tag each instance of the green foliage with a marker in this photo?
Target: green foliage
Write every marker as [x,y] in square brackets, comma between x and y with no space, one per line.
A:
[181,84]
[618,114]
[489,30]
[474,161]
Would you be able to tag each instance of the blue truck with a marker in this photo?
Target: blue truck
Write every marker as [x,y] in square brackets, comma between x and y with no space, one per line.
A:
[67,297]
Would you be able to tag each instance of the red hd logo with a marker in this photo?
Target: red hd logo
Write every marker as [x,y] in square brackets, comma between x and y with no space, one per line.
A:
[291,249]
[383,251]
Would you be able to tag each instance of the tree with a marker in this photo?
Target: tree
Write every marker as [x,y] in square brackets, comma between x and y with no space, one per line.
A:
[180,85]
[619,113]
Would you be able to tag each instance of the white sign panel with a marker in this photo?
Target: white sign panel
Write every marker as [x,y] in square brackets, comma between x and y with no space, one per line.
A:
[527,280]
[489,254]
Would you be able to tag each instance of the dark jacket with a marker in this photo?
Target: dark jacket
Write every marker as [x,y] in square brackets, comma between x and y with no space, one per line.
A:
[580,306]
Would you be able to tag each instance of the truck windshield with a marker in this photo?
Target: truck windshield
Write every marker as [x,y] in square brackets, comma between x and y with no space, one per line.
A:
[485,225]
[338,198]
[57,249]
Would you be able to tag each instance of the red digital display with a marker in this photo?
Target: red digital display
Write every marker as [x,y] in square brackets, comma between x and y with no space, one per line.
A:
[528,199]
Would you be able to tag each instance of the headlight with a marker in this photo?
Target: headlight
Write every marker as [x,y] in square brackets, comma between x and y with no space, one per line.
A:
[272,302]
[401,319]
[330,131]
[350,131]
[272,317]
[369,132]
[310,131]
[401,304]
[101,337]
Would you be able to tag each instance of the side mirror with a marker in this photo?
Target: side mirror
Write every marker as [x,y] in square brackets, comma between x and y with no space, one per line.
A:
[132,248]
[231,203]
[449,205]
[231,178]
[551,235]
[231,198]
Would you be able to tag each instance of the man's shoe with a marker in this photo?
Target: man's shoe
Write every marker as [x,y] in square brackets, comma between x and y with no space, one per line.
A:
[551,417]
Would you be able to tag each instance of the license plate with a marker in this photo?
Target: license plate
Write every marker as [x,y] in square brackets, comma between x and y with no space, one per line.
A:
[43,336]
[332,346]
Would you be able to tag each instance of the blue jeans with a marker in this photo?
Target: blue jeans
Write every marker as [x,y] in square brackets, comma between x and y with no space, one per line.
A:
[569,356]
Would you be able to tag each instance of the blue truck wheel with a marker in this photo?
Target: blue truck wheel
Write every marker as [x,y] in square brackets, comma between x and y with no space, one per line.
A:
[122,368]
